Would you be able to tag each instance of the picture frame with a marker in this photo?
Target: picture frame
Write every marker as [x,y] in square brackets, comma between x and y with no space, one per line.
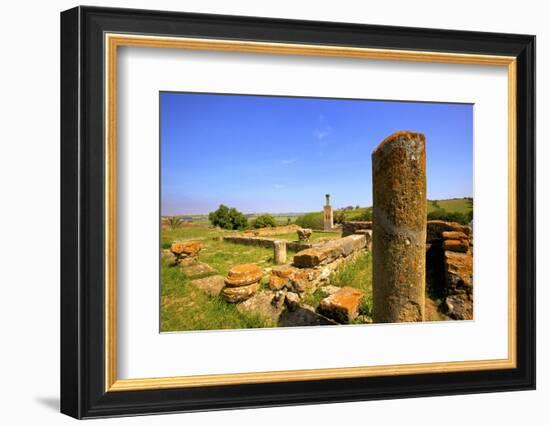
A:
[90,39]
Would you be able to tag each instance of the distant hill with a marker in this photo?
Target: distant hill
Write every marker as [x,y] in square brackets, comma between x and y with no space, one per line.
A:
[314,219]
[455,209]
[456,205]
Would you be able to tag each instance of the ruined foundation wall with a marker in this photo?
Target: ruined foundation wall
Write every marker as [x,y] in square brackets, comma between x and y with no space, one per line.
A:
[351,227]
[267,243]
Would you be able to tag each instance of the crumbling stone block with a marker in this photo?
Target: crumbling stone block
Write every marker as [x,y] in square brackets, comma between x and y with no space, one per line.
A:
[342,306]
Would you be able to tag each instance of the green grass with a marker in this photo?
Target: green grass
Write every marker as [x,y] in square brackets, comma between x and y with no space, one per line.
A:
[220,255]
[186,308]
[314,220]
[356,214]
[461,206]
[283,220]
[316,236]
[357,274]
[198,232]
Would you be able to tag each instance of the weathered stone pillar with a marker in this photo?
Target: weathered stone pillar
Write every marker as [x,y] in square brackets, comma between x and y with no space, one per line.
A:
[279,252]
[328,218]
[399,228]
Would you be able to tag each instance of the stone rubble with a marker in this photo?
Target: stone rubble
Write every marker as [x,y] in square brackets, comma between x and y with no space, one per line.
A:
[212,285]
[304,315]
[262,305]
[187,249]
[195,269]
[304,234]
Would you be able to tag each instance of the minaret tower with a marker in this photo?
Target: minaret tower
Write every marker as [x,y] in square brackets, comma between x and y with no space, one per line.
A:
[328,217]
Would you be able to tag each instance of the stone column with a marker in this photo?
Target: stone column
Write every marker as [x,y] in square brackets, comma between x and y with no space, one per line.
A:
[399,228]
[279,252]
[328,216]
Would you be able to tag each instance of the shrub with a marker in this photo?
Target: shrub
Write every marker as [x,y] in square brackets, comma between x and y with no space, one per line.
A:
[264,220]
[228,218]
[311,221]
[339,216]
[365,215]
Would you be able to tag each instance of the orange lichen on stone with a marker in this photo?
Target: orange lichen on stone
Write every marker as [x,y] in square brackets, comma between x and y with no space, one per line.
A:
[342,306]
[459,268]
[239,293]
[190,248]
[456,245]
[243,274]
[282,271]
[277,282]
[454,235]
[399,227]
[329,251]
[437,227]
[403,135]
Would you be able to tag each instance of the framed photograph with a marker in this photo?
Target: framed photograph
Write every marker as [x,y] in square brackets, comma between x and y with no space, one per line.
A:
[261,212]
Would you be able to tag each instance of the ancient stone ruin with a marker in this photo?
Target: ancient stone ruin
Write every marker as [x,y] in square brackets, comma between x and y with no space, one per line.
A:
[304,234]
[399,228]
[328,217]
[185,251]
[449,257]
[410,255]
[343,305]
[241,282]
[279,252]
[329,251]
[352,227]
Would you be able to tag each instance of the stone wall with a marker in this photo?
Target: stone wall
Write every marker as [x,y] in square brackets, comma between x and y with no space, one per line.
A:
[267,243]
[277,230]
[449,267]
[330,251]
[305,280]
[351,227]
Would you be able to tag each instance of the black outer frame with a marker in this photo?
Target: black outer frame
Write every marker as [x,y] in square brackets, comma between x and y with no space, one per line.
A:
[82,207]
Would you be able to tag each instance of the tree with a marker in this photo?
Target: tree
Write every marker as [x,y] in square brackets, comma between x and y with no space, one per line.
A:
[312,220]
[228,218]
[174,222]
[264,220]
[365,215]
[339,216]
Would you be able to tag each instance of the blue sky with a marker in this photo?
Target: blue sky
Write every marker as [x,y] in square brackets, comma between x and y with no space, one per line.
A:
[282,154]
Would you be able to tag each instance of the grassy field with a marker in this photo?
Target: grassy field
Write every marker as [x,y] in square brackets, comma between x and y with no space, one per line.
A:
[461,206]
[184,307]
